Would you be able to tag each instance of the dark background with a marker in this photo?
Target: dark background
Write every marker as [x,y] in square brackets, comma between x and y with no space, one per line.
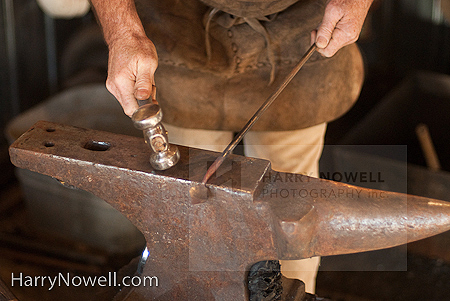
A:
[41,57]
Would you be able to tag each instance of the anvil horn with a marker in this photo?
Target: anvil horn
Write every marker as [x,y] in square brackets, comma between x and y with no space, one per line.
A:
[202,249]
[321,217]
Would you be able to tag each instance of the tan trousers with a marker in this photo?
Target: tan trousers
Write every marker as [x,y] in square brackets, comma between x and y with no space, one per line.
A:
[295,151]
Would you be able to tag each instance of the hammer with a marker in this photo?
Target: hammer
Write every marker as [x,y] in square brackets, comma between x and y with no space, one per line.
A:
[148,119]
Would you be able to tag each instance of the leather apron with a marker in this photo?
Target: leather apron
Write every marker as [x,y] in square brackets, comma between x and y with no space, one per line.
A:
[218,65]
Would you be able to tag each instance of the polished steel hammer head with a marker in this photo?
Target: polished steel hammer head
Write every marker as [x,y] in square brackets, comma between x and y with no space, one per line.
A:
[148,119]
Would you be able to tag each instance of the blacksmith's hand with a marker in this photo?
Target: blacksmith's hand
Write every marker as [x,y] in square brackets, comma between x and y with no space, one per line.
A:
[131,67]
[340,26]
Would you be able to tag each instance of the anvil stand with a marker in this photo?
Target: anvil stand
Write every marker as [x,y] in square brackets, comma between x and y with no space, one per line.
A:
[202,250]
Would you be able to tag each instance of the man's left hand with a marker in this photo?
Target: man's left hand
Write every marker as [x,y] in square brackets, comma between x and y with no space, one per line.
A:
[341,25]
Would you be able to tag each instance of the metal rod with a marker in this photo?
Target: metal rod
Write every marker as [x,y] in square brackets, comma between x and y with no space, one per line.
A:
[213,168]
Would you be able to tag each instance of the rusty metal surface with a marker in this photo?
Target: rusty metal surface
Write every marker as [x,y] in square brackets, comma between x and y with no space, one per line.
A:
[202,250]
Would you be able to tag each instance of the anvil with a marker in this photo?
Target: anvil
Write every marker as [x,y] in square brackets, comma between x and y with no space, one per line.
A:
[202,250]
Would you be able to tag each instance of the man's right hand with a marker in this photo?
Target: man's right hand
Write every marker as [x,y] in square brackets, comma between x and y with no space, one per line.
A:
[131,67]
[132,56]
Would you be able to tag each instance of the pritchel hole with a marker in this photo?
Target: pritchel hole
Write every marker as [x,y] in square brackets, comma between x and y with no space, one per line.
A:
[50,130]
[98,146]
[49,144]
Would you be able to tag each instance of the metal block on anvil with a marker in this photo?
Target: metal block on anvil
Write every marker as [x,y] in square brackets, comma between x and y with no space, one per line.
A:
[202,250]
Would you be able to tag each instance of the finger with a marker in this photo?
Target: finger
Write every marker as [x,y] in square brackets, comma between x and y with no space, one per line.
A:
[326,28]
[123,89]
[339,39]
[129,104]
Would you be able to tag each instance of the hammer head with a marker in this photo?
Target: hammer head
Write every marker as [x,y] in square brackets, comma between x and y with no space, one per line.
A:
[148,119]
[165,159]
[147,116]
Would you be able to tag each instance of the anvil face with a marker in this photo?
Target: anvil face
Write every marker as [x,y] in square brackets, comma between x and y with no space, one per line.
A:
[204,249]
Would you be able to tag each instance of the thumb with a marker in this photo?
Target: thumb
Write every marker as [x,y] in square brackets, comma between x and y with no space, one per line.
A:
[143,85]
[325,30]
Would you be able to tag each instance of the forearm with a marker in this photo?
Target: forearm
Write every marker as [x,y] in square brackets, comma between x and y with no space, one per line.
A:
[132,56]
[118,19]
